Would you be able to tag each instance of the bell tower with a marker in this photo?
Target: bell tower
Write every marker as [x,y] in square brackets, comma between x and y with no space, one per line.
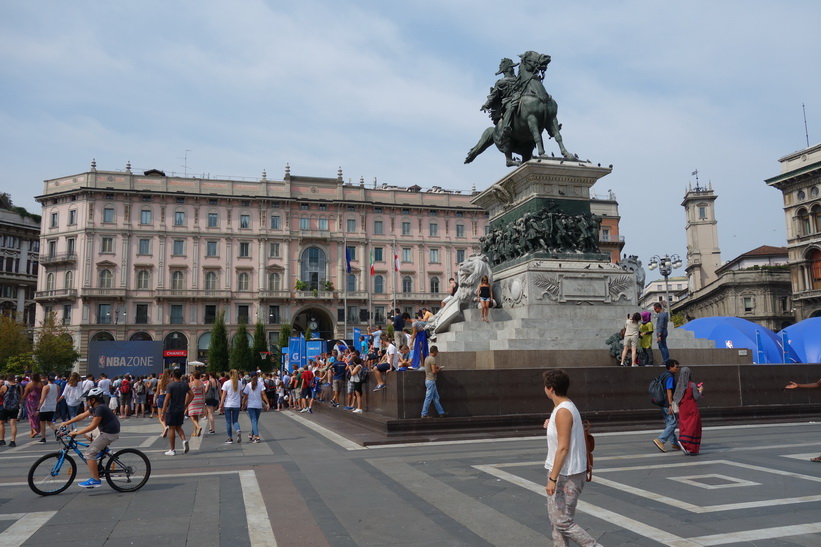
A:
[701,230]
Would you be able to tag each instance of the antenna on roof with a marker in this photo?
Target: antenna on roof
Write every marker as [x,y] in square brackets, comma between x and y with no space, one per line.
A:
[806,133]
[185,163]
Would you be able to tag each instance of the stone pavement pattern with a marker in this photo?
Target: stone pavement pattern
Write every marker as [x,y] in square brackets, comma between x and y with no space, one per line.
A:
[752,485]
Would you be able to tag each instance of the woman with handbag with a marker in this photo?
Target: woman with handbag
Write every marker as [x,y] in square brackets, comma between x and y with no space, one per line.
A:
[197,404]
[212,401]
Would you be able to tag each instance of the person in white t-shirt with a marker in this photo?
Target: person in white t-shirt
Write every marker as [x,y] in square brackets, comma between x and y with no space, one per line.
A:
[230,404]
[566,461]
[253,399]
[393,355]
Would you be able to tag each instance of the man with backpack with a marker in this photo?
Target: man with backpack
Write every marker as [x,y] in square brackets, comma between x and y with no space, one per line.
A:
[125,396]
[667,381]
[10,395]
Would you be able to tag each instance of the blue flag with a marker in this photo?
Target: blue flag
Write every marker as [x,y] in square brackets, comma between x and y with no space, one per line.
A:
[348,258]
[356,334]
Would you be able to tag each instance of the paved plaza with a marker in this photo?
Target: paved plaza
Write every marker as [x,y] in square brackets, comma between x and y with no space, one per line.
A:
[307,485]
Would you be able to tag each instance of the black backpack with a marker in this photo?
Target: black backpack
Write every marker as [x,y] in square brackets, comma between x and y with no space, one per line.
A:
[657,389]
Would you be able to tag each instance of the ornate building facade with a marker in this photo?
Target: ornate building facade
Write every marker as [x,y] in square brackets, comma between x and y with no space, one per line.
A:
[19,260]
[800,186]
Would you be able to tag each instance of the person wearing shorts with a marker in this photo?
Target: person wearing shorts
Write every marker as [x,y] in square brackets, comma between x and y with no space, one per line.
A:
[10,396]
[177,397]
[102,418]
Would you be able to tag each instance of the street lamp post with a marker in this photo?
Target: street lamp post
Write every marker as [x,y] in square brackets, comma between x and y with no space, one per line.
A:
[666,265]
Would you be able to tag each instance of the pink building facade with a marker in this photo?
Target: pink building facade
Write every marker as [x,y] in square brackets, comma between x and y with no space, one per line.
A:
[128,256]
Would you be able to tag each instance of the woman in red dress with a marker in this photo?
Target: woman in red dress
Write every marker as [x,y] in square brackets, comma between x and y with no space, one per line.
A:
[689,418]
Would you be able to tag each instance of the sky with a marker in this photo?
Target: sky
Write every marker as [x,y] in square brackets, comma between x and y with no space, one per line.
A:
[392,90]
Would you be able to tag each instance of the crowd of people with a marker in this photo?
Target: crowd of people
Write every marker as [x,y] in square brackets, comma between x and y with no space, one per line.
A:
[636,338]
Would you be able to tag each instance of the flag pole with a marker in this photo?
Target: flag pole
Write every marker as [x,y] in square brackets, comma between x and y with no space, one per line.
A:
[395,270]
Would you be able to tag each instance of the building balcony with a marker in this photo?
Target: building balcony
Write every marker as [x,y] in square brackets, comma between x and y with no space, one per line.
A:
[58,258]
[55,294]
[422,296]
[320,295]
[311,234]
[200,294]
[274,295]
[103,293]
[804,295]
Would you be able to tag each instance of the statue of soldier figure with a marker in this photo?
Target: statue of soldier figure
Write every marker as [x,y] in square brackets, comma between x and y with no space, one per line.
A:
[521,109]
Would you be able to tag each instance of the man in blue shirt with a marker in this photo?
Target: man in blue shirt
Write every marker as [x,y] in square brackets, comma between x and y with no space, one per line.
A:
[338,370]
[667,413]
[662,318]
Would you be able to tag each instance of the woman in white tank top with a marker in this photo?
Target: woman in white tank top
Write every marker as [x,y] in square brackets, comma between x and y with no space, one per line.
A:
[566,461]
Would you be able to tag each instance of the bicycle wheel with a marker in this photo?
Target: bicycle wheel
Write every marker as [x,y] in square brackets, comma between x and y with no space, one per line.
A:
[52,474]
[127,470]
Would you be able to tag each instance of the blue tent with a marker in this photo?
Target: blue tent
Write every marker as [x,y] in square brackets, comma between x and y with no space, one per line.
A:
[804,338]
[734,332]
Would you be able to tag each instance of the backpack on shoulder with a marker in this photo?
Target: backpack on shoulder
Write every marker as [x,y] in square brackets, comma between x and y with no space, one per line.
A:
[125,387]
[590,444]
[657,390]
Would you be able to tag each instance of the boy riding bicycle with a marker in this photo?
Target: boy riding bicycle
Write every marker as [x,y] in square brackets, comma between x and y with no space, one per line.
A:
[109,426]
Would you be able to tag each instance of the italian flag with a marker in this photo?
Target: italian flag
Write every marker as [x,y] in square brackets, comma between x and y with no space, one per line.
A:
[373,270]
[395,261]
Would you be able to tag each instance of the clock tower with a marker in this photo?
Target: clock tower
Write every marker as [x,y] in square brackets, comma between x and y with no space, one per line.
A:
[701,230]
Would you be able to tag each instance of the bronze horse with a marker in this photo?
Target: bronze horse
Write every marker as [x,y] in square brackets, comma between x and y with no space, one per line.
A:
[535,111]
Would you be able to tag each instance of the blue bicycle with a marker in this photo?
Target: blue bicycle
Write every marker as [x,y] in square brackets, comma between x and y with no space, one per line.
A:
[126,470]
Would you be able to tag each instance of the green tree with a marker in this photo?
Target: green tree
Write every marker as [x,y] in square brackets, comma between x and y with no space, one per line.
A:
[241,351]
[18,364]
[218,348]
[284,339]
[260,345]
[54,350]
[14,339]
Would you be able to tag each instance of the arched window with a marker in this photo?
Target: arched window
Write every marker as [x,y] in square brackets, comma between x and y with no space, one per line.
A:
[274,282]
[50,282]
[70,279]
[816,216]
[177,280]
[243,280]
[814,258]
[211,281]
[313,266]
[351,287]
[434,285]
[378,284]
[804,228]
[106,279]
[143,279]
[407,284]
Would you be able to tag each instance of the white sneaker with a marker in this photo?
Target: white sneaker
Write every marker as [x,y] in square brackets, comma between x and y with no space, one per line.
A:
[185,447]
[171,453]
[303,410]
[357,411]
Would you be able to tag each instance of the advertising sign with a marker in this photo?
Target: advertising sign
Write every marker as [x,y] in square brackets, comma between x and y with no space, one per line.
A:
[118,358]
[315,347]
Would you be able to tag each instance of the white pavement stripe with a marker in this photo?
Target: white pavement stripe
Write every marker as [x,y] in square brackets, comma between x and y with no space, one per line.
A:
[627,523]
[494,527]
[260,531]
[327,433]
[24,528]
[763,533]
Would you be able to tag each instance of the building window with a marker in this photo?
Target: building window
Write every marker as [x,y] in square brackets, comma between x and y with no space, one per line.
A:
[313,266]
[105,279]
[748,304]
[460,256]
[377,210]
[352,253]
[275,222]
[351,225]
[69,279]
[379,314]
[50,282]
[103,314]
[179,200]
[273,250]
[434,255]
[351,208]
[459,214]
[71,246]
[434,285]
[805,226]
[52,249]
[178,247]
[273,315]
[353,315]
[303,206]
[378,227]
[434,229]
[143,279]
[323,207]
[274,282]
[54,220]
[177,280]
[407,284]
[179,218]
[72,217]
[407,255]
[378,254]
[210,248]
[213,220]
[108,214]
[323,223]
[702,212]
[245,221]
[405,211]
[142,314]
[379,284]
[145,216]
[605,234]
[107,245]
[210,316]
[245,203]
[144,247]
[243,281]
[146,198]
[66,314]
[242,313]
[351,280]
[213,201]
[460,230]
[244,249]
[176,314]
[304,223]
[211,281]
[432,212]
[406,228]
